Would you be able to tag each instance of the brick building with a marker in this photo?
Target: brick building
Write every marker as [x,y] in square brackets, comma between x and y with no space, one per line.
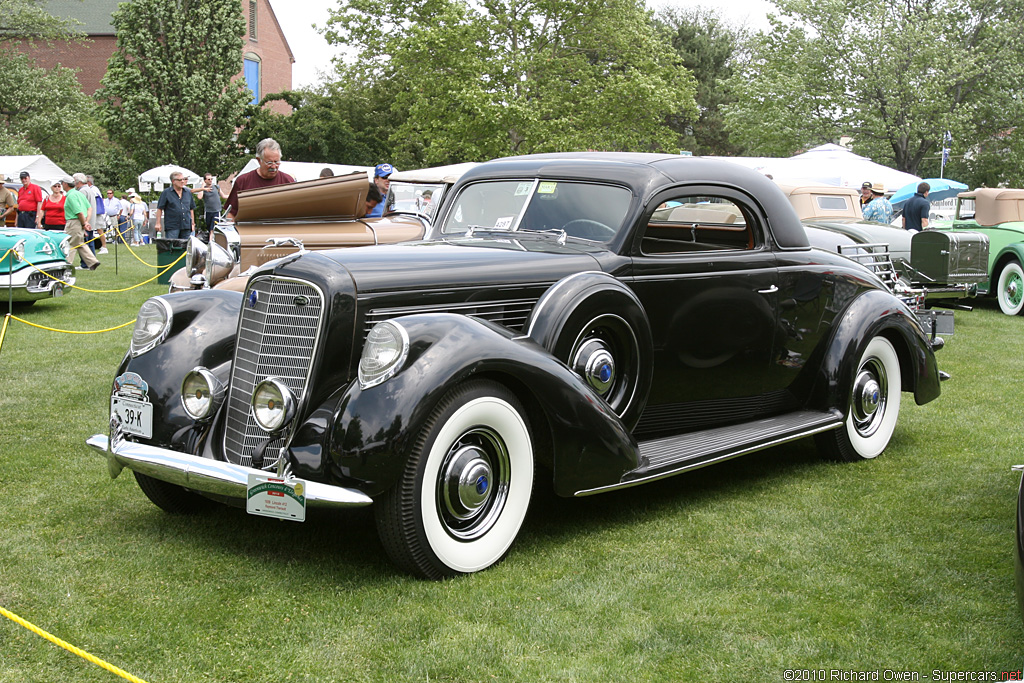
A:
[267,58]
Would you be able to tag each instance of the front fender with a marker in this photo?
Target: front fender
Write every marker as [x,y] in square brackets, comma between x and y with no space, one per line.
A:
[871,314]
[202,333]
[376,428]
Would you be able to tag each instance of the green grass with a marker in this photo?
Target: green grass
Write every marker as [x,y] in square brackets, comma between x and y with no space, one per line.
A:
[770,562]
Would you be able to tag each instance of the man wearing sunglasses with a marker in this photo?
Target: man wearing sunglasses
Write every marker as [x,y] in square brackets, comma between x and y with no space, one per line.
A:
[268,154]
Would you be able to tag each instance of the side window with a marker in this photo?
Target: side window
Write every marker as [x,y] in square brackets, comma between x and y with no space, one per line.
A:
[697,223]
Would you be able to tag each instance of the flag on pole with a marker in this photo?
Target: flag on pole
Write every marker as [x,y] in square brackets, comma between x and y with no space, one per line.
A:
[947,139]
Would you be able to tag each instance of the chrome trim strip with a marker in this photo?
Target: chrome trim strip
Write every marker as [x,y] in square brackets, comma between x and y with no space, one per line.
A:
[705,463]
[210,476]
[545,298]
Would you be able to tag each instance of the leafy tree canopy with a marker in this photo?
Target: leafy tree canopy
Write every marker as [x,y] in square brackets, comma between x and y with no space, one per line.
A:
[894,74]
[480,80]
[343,122]
[28,20]
[168,94]
[708,47]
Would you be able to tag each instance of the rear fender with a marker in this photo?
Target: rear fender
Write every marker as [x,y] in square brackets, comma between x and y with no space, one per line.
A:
[871,314]
[376,428]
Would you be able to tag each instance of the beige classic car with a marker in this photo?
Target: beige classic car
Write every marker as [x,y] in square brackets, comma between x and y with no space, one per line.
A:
[273,222]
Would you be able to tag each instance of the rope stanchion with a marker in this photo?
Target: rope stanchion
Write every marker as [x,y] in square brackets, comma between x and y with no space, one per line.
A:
[70,648]
[3,330]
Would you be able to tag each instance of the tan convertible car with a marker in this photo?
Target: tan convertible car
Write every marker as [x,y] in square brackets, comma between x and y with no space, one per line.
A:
[276,221]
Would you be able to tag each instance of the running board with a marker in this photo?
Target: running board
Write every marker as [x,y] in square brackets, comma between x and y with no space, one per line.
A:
[661,458]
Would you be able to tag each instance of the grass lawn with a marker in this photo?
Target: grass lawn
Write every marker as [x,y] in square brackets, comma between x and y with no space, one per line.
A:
[739,571]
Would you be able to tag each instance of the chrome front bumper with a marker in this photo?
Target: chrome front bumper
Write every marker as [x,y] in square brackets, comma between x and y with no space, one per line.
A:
[209,476]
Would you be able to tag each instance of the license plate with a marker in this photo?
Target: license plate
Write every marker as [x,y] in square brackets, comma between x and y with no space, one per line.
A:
[269,496]
[136,416]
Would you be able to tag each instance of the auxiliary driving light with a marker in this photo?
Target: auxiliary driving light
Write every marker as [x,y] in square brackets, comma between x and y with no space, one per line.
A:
[273,404]
[201,394]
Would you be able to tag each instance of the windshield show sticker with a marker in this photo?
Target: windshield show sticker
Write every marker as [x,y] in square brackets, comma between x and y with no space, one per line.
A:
[278,498]
[523,189]
[546,188]
[503,223]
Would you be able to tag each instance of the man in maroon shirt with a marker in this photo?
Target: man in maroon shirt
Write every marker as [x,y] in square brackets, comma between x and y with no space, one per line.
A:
[30,203]
[268,153]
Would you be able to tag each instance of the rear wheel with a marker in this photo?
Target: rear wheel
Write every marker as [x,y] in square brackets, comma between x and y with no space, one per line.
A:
[1010,291]
[874,407]
[466,486]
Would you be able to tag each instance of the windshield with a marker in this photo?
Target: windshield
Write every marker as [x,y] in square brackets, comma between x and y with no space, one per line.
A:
[422,198]
[585,210]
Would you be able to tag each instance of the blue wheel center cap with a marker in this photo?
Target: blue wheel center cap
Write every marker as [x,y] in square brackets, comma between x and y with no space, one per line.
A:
[481,485]
[605,373]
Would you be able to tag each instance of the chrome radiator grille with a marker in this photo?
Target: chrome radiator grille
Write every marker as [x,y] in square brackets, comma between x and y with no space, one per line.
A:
[277,337]
[510,313]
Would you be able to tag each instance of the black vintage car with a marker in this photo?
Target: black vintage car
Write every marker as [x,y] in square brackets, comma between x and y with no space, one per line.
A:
[602,320]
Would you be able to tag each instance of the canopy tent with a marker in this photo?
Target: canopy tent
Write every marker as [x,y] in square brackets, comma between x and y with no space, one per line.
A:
[306,170]
[156,178]
[43,171]
[829,165]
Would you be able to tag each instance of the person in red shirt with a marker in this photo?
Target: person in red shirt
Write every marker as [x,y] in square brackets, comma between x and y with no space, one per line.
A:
[268,153]
[30,203]
[53,209]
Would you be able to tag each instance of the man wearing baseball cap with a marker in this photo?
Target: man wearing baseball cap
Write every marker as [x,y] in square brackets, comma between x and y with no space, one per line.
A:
[30,203]
[381,176]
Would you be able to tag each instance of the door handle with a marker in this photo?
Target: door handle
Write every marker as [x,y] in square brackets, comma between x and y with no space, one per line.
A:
[770,290]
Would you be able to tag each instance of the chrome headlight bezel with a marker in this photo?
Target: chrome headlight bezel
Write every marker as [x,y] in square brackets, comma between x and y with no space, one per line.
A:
[65,248]
[19,250]
[152,325]
[272,405]
[201,394]
[195,256]
[384,353]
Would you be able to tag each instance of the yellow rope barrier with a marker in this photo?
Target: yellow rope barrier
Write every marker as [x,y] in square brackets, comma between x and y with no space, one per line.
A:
[54,329]
[70,648]
[3,331]
[129,248]
[113,291]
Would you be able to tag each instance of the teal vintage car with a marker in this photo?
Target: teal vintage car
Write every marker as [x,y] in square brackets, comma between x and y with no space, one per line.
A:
[33,265]
[999,214]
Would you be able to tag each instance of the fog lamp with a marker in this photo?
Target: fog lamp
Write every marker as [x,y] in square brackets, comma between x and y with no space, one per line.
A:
[201,394]
[273,404]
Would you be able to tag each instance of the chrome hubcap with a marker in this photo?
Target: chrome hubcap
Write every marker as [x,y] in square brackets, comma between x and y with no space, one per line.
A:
[1013,291]
[869,400]
[595,363]
[467,483]
[473,483]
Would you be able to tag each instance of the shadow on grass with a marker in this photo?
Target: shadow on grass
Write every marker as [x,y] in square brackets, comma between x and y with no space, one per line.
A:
[343,544]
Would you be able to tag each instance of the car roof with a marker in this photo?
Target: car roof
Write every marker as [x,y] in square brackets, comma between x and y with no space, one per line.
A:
[648,173]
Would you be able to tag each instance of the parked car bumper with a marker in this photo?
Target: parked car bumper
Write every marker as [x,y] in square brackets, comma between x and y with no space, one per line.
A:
[28,284]
[209,476]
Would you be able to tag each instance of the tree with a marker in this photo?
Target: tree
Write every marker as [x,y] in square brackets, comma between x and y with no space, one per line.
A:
[27,20]
[707,46]
[893,74]
[168,94]
[479,80]
[343,122]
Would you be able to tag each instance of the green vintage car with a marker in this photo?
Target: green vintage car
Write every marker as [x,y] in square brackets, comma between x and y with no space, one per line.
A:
[999,214]
[33,265]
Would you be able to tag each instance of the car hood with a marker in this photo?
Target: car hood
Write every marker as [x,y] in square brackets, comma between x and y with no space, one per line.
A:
[40,247]
[464,261]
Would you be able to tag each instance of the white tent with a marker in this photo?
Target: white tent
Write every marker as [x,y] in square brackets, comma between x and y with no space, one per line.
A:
[156,178]
[828,165]
[43,171]
[305,170]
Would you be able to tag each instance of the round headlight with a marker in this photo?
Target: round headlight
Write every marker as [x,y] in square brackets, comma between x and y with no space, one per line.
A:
[273,404]
[19,250]
[195,256]
[220,261]
[386,348]
[201,394]
[65,247]
[151,326]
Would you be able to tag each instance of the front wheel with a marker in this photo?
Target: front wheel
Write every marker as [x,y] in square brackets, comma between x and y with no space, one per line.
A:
[466,486]
[874,407]
[1010,291]
[171,497]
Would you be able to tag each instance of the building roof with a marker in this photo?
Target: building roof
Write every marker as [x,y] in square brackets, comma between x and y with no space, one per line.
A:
[94,15]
